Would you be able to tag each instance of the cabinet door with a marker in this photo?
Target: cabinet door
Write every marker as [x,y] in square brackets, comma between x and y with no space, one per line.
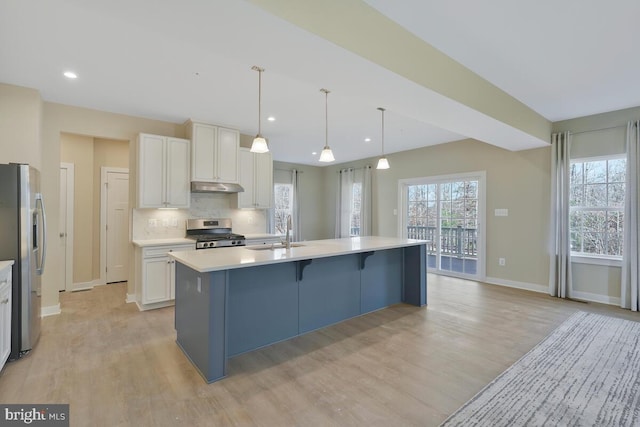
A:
[172,280]
[156,274]
[203,152]
[381,280]
[227,155]
[5,319]
[263,190]
[178,184]
[246,172]
[151,176]
[329,292]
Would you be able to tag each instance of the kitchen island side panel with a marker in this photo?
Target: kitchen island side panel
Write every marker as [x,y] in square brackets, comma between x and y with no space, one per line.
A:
[329,291]
[200,319]
[381,280]
[414,283]
[263,306]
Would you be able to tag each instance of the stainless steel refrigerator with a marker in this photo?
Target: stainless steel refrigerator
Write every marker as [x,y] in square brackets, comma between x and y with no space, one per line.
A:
[23,239]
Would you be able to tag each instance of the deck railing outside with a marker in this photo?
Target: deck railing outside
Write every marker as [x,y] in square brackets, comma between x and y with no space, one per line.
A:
[455,241]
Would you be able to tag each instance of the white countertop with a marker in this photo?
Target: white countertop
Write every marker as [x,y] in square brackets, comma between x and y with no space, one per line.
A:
[5,264]
[208,260]
[141,243]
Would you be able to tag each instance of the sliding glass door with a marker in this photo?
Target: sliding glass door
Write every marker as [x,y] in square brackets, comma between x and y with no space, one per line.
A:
[447,212]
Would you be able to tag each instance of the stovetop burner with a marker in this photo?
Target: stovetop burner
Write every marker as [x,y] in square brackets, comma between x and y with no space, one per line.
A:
[213,233]
[213,237]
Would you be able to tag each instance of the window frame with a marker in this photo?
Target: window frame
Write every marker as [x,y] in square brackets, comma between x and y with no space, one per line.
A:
[586,257]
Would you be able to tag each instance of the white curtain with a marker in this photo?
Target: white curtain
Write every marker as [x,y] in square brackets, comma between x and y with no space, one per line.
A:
[295,216]
[560,250]
[365,204]
[630,291]
[344,202]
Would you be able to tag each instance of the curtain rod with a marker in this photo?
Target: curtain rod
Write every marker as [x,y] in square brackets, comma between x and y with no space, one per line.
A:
[598,130]
[287,170]
[355,169]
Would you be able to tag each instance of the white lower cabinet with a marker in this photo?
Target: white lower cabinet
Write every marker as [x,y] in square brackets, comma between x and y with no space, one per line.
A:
[157,279]
[5,313]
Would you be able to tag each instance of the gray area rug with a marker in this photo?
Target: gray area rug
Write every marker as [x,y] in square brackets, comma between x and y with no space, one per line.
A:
[585,373]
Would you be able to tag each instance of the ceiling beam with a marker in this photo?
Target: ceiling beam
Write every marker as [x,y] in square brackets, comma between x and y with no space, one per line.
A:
[362,30]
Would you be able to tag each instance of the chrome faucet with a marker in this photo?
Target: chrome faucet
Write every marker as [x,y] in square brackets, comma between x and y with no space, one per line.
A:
[287,243]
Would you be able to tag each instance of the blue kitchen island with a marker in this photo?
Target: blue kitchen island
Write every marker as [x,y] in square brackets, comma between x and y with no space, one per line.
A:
[233,300]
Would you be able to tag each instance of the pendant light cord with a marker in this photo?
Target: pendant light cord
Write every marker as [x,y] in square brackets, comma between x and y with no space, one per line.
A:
[326,117]
[259,101]
[259,70]
[382,111]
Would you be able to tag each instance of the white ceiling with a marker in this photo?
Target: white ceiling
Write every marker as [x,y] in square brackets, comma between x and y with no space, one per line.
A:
[174,60]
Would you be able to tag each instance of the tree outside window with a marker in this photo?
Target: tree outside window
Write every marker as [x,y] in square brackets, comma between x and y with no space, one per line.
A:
[283,194]
[356,209]
[596,217]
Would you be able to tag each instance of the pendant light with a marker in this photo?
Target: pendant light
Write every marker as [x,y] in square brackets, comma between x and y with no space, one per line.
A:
[383,163]
[327,155]
[259,144]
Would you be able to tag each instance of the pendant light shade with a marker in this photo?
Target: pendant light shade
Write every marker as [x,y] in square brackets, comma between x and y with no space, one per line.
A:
[383,163]
[259,144]
[327,155]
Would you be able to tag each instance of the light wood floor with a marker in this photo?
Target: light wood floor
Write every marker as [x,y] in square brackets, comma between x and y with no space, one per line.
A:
[400,366]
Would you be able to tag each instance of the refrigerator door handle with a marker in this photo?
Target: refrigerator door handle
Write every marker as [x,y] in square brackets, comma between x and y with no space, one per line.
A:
[43,256]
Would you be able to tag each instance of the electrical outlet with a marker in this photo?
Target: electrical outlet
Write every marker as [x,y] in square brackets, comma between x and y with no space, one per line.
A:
[153,223]
[502,262]
[174,222]
[165,222]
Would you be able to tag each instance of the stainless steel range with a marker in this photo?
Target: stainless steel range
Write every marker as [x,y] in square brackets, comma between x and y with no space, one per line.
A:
[213,233]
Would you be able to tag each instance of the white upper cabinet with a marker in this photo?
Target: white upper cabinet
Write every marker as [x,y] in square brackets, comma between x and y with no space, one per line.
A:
[163,172]
[214,153]
[256,177]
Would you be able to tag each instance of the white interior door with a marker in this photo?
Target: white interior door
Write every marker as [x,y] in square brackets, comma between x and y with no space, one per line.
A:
[117,226]
[65,226]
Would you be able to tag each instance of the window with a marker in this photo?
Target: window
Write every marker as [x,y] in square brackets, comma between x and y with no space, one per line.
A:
[283,194]
[446,213]
[356,208]
[596,217]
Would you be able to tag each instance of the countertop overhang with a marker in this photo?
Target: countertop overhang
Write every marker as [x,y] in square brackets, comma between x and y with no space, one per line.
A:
[208,260]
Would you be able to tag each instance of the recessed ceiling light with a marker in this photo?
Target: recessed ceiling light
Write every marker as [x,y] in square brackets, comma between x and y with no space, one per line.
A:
[314,153]
[367,140]
[271,119]
[70,75]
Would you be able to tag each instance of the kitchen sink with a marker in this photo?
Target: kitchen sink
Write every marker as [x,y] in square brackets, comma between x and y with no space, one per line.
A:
[272,247]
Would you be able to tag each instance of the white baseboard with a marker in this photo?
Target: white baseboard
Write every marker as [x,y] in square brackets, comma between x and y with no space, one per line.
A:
[130,298]
[145,307]
[588,296]
[578,295]
[85,286]
[544,289]
[50,310]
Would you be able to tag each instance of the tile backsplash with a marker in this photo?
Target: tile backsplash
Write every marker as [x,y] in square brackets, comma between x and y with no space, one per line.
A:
[169,223]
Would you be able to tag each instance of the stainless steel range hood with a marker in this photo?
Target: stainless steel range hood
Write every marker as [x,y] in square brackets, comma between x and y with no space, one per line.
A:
[215,187]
